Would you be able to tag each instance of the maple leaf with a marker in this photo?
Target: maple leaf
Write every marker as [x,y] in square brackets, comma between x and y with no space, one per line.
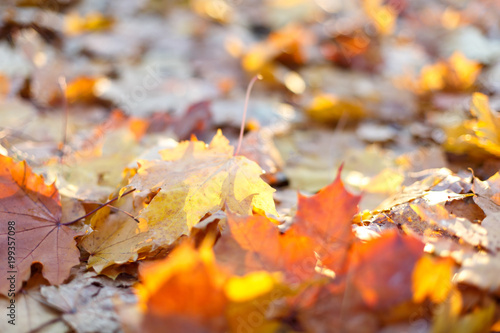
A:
[116,239]
[181,286]
[321,227]
[268,249]
[392,285]
[39,316]
[481,270]
[285,44]
[487,194]
[326,218]
[435,286]
[485,235]
[89,296]
[194,180]
[482,132]
[457,73]
[93,171]
[405,207]
[175,293]
[39,235]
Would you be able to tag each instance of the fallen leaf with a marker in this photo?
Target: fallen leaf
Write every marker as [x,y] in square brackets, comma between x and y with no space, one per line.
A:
[321,229]
[259,147]
[487,127]
[482,132]
[116,239]
[35,211]
[487,194]
[92,22]
[481,270]
[457,73]
[383,16]
[31,313]
[285,45]
[81,90]
[89,296]
[435,286]
[326,219]
[326,108]
[94,170]
[181,286]
[176,290]
[252,300]
[194,180]
[438,217]
[448,317]
[392,285]
[267,249]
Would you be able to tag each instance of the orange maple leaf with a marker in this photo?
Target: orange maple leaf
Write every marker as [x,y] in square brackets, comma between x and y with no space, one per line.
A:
[326,218]
[32,231]
[270,250]
[382,269]
[184,290]
[322,227]
[189,292]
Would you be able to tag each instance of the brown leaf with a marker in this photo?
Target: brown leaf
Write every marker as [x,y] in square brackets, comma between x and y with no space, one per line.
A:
[487,194]
[36,233]
[31,313]
[89,301]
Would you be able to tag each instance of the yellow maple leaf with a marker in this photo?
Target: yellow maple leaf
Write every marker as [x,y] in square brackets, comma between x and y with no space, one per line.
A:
[116,239]
[327,108]
[455,73]
[487,127]
[435,286]
[384,17]
[194,180]
[482,132]
[95,21]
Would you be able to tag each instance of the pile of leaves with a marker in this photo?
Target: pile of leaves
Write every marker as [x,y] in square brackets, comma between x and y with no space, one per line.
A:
[365,196]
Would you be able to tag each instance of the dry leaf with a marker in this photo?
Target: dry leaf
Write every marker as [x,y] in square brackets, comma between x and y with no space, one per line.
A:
[432,278]
[392,285]
[116,239]
[194,180]
[36,233]
[89,296]
[268,249]
[487,194]
[326,219]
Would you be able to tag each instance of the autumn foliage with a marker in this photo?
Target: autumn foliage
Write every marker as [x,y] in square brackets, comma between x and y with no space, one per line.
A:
[362,195]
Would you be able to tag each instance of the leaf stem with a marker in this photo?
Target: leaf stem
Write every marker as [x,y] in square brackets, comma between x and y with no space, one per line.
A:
[247,97]
[98,208]
[64,86]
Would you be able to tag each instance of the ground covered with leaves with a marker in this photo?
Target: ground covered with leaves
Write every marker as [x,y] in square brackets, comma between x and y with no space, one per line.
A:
[364,196]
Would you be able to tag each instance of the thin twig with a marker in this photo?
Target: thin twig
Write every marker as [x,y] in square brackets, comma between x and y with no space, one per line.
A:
[64,86]
[100,207]
[115,208]
[247,97]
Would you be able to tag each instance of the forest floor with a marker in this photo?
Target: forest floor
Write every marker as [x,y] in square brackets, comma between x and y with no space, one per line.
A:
[363,197]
